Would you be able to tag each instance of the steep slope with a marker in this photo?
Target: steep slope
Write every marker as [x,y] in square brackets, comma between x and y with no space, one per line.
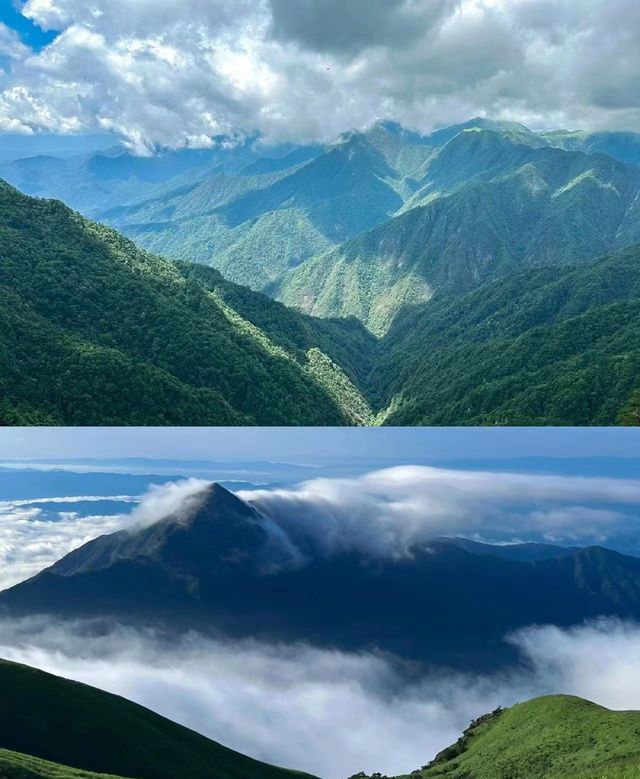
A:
[256,225]
[15,765]
[65,722]
[220,566]
[487,206]
[96,331]
[548,346]
[554,737]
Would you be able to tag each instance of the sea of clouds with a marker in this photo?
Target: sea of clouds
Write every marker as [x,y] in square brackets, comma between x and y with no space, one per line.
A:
[327,712]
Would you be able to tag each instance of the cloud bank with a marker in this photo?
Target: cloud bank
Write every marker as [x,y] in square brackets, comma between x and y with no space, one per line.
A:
[381,514]
[177,73]
[384,513]
[328,713]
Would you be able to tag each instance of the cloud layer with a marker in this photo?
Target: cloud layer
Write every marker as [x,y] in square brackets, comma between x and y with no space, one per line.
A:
[381,514]
[329,713]
[385,512]
[177,73]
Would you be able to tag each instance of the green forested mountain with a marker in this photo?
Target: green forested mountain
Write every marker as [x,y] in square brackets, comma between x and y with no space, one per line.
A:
[95,331]
[544,346]
[52,728]
[554,737]
[486,206]
[464,266]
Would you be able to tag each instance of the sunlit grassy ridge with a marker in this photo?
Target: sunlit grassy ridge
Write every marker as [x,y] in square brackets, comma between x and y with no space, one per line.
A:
[554,737]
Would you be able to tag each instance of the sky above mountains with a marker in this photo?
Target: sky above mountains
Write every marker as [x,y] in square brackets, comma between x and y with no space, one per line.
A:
[177,73]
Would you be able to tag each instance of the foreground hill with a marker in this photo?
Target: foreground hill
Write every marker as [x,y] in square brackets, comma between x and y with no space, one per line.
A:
[554,737]
[96,331]
[47,718]
[219,565]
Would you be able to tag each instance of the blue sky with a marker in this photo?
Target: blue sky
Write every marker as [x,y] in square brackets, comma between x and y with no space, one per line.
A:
[30,34]
[314,444]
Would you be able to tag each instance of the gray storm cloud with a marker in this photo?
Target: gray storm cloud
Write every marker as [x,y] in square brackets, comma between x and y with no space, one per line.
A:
[176,73]
[329,713]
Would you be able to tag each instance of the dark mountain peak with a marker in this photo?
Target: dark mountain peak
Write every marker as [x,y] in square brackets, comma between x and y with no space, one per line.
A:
[211,527]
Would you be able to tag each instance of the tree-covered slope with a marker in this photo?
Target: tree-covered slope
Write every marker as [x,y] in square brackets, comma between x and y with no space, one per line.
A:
[554,737]
[256,224]
[487,206]
[72,724]
[547,346]
[96,331]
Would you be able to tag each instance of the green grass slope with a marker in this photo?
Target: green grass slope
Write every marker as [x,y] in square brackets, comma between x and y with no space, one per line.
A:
[554,737]
[50,718]
[14,765]
[96,331]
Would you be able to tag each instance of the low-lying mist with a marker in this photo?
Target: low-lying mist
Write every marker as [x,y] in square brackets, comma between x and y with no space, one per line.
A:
[326,712]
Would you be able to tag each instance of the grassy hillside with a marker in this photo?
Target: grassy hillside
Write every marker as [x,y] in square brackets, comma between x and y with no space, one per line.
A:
[555,737]
[14,765]
[96,331]
[54,719]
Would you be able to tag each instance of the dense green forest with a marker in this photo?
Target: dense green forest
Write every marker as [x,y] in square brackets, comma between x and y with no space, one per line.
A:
[96,331]
[483,274]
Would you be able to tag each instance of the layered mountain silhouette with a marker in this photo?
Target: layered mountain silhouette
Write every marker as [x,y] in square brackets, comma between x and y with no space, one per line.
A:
[220,566]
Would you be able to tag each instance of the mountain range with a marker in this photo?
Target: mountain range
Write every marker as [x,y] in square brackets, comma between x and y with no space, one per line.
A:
[482,274]
[220,566]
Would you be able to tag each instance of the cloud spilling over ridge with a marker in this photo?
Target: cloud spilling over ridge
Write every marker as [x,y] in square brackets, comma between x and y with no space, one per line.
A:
[329,713]
[31,541]
[176,72]
[385,512]
[170,499]
[381,514]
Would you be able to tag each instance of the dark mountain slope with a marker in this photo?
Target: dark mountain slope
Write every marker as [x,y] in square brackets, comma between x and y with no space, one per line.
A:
[554,737]
[73,724]
[221,567]
[135,339]
[542,347]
